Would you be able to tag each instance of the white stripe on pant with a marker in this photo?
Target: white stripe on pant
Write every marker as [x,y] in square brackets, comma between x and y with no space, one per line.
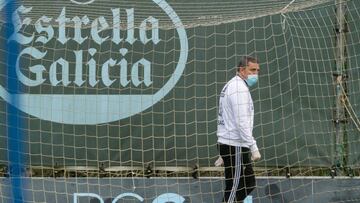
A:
[237,174]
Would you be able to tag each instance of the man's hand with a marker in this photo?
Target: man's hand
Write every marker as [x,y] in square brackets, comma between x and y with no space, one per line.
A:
[219,162]
[255,155]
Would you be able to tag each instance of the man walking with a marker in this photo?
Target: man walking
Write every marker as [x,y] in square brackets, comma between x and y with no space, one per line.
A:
[237,145]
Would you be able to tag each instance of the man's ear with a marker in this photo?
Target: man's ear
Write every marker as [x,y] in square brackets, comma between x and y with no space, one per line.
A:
[239,70]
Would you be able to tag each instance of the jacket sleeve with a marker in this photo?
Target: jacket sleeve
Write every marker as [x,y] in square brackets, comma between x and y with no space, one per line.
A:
[241,106]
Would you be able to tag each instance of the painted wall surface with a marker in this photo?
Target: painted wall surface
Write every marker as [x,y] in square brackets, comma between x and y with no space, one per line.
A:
[175,190]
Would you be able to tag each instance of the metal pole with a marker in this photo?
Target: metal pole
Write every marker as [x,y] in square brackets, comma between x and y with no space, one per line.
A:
[14,120]
[340,76]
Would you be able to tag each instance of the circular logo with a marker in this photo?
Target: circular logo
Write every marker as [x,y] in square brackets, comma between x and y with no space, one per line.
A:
[96,109]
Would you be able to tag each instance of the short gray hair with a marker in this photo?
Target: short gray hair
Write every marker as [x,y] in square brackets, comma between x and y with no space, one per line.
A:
[245,61]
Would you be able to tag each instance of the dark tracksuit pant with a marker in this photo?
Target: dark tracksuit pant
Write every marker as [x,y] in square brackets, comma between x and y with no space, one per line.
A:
[239,173]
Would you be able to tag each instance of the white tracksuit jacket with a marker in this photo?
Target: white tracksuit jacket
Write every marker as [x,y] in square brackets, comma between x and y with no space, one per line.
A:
[236,115]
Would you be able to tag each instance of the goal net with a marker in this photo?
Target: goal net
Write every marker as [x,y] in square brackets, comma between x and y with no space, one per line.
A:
[117,101]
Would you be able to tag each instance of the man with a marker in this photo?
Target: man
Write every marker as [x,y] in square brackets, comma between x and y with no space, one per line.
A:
[236,143]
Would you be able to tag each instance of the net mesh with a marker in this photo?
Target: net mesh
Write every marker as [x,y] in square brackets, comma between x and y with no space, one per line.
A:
[306,101]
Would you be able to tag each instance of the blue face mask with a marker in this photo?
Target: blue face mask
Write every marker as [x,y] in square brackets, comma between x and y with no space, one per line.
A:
[252,80]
